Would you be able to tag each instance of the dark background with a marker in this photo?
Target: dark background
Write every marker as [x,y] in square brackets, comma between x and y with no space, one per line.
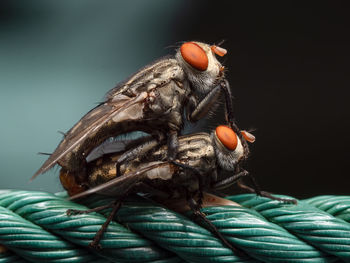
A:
[288,66]
[289,71]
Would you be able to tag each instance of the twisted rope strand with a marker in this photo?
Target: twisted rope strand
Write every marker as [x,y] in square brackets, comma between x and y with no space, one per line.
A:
[49,211]
[322,230]
[34,243]
[34,227]
[9,257]
[337,206]
[170,230]
[243,227]
[260,238]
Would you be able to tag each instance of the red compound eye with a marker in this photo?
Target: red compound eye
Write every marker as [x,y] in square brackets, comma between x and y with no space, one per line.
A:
[227,137]
[194,55]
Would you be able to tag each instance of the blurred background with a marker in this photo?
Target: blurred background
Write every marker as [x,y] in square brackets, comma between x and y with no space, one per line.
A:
[288,66]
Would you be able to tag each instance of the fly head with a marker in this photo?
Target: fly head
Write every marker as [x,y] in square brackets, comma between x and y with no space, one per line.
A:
[229,148]
[200,65]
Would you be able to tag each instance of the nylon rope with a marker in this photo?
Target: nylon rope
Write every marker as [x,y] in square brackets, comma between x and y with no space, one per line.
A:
[34,227]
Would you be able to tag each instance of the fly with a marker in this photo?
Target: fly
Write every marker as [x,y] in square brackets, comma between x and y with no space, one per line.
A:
[199,159]
[199,153]
[152,100]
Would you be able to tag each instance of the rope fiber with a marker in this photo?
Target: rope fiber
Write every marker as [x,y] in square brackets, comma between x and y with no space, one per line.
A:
[34,227]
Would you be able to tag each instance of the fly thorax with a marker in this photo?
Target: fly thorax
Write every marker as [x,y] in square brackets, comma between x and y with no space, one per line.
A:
[226,158]
[202,79]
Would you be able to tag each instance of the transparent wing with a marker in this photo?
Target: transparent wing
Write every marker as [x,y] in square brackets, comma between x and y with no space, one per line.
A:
[117,144]
[118,110]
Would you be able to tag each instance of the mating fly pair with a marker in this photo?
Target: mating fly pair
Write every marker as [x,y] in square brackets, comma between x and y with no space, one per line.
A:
[156,100]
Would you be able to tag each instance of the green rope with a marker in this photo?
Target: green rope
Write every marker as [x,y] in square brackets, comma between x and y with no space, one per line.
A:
[338,206]
[34,227]
[9,256]
[170,230]
[49,212]
[318,228]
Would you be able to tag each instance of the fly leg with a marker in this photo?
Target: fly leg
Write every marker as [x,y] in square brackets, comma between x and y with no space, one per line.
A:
[195,207]
[199,111]
[196,112]
[229,113]
[229,107]
[95,243]
[70,212]
[230,180]
[257,190]
[115,205]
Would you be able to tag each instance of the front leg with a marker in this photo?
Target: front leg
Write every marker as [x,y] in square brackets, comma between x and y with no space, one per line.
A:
[230,180]
[256,189]
[197,112]
[229,107]
[228,100]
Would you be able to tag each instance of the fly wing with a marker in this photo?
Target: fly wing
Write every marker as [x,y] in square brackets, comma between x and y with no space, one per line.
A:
[117,106]
[119,109]
[118,144]
[122,184]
